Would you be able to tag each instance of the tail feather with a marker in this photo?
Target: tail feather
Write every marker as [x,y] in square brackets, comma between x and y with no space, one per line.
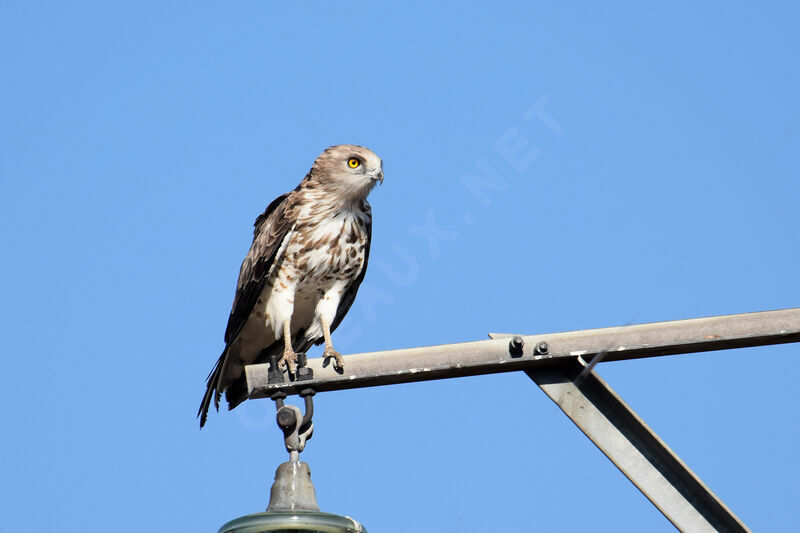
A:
[212,384]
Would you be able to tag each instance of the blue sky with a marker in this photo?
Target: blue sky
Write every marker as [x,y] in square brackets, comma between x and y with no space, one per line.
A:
[138,142]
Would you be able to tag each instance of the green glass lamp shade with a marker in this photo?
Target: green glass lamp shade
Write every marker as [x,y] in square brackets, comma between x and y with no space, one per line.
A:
[293,522]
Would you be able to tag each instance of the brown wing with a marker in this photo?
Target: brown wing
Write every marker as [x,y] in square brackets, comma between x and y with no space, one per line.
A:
[350,294]
[271,228]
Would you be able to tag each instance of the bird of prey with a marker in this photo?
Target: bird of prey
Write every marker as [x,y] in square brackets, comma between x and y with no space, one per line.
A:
[309,255]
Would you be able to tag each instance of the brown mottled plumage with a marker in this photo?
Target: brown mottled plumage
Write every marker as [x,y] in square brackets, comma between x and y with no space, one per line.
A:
[309,255]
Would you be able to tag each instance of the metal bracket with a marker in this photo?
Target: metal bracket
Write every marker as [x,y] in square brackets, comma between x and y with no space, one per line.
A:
[297,427]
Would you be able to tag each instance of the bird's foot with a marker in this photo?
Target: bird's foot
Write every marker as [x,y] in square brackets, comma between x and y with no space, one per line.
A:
[289,360]
[338,362]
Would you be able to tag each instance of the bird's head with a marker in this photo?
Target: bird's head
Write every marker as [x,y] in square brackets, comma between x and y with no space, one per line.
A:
[348,169]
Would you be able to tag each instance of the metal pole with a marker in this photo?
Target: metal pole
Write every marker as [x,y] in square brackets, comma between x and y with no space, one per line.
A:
[507,353]
[635,449]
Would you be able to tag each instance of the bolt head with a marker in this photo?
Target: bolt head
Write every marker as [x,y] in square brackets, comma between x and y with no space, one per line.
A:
[515,345]
[542,348]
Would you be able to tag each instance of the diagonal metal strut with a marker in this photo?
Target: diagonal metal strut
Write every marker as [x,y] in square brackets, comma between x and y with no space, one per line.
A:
[635,449]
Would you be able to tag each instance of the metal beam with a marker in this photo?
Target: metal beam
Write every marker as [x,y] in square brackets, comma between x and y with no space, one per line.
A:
[501,354]
[633,447]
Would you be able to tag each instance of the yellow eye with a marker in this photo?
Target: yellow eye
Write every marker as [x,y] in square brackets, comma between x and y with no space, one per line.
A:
[353,162]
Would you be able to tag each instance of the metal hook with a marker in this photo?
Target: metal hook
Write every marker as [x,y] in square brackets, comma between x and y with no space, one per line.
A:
[297,427]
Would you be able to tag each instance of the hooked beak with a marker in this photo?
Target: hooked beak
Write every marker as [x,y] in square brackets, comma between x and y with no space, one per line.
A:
[378,176]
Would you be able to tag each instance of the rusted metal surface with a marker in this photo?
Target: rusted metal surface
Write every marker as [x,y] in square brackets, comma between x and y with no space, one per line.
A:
[635,449]
[539,351]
